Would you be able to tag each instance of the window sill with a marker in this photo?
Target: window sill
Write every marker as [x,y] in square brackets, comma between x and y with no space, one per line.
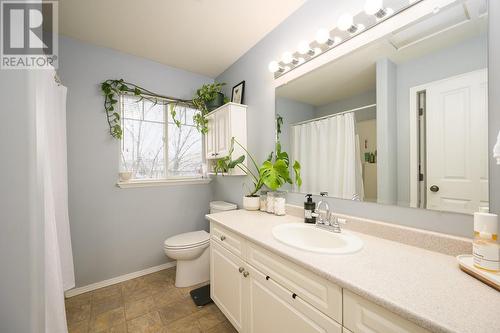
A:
[163,182]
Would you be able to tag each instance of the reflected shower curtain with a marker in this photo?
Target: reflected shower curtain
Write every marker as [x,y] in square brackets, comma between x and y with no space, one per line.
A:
[328,151]
[50,111]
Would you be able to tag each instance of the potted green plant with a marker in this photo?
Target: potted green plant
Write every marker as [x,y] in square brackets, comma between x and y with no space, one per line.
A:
[209,97]
[273,173]
[224,165]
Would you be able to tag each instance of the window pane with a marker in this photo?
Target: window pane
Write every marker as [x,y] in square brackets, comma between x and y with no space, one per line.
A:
[183,114]
[143,149]
[132,108]
[153,112]
[184,151]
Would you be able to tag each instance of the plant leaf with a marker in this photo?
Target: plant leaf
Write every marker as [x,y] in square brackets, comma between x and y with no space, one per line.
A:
[274,175]
[296,168]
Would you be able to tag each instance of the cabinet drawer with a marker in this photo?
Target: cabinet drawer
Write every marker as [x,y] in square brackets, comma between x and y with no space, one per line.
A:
[361,315]
[227,239]
[320,293]
[273,309]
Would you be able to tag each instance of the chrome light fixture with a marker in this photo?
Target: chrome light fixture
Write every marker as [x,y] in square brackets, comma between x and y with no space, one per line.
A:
[287,58]
[275,67]
[346,23]
[376,8]
[323,37]
[305,49]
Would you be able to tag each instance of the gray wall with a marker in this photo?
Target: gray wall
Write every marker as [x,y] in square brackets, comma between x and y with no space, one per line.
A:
[292,112]
[259,95]
[357,101]
[117,231]
[387,187]
[467,56]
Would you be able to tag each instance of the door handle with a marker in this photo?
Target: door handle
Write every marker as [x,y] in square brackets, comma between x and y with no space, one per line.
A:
[434,188]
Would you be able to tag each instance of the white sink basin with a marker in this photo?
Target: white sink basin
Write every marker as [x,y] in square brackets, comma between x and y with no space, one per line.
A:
[311,238]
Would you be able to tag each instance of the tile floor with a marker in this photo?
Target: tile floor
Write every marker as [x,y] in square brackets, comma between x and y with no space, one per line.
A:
[149,303]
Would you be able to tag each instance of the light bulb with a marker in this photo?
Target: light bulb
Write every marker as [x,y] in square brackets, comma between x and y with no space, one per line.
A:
[286,57]
[322,36]
[317,50]
[273,66]
[337,40]
[345,22]
[304,47]
[373,6]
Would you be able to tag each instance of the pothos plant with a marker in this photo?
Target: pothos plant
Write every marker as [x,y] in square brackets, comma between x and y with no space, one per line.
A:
[112,89]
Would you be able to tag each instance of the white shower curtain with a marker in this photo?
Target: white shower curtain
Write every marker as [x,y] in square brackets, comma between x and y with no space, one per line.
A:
[50,108]
[328,151]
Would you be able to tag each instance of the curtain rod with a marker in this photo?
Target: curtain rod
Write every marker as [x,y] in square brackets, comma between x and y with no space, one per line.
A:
[334,114]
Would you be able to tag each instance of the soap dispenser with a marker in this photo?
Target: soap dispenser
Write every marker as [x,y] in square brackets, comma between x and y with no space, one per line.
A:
[309,207]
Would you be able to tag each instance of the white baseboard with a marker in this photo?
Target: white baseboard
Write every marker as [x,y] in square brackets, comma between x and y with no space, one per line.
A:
[118,279]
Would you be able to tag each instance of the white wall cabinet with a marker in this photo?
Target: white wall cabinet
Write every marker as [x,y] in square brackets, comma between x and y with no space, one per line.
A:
[224,123]
[260,292]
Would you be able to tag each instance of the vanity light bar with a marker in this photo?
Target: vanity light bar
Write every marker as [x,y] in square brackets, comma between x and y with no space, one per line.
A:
[373,14]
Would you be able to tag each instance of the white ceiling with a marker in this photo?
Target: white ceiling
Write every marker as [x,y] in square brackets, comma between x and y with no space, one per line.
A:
[355,73]
[201,36]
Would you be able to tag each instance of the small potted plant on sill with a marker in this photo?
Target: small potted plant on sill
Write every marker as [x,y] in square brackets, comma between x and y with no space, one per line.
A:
[126,173]
[273,173]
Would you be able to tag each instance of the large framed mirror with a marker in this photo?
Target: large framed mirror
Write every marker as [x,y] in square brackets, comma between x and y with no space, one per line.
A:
[401,121]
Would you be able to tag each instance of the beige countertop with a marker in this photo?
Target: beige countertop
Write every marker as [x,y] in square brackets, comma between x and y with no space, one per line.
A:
[422,286]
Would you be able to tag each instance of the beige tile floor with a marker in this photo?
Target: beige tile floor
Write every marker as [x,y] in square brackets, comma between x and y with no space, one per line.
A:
[149,303]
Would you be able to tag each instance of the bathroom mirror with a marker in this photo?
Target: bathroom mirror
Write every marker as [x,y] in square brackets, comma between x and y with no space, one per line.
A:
[401,121]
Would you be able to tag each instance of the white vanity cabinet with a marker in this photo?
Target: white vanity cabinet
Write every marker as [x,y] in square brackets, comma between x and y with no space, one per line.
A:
[261,292]
[259,300]
[224,123]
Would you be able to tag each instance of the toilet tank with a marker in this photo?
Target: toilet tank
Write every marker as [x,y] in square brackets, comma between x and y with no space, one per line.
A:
[221,206]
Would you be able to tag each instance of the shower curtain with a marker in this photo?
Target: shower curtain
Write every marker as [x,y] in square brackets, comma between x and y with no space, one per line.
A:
[328,151]
[51,162]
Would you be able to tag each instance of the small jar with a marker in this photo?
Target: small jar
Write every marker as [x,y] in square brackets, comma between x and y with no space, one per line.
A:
[270,202]
[280,203]
[263,201]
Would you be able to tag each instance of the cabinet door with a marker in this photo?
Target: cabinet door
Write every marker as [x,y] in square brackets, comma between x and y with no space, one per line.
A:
[227,284]
[223,137]
[210,149]
[272,308]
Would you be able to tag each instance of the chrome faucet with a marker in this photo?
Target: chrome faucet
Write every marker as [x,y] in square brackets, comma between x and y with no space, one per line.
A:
[326,219]
[322,211]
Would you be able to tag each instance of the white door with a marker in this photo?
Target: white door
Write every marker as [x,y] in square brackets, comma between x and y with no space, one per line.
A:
[227,284]
[456,139]
[210,148]
[272,308]
[223,137]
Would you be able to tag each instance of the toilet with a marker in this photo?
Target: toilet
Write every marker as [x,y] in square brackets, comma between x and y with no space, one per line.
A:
[191,250]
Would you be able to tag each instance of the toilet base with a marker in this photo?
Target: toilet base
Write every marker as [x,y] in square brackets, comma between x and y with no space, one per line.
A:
[193,272]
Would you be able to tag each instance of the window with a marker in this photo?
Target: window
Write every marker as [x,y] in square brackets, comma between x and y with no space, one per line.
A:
[153,146]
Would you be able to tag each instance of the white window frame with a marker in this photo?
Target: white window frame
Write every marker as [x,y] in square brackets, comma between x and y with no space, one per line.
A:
[166,180]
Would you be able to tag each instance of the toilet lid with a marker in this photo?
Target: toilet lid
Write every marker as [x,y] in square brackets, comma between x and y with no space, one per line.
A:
[188,239]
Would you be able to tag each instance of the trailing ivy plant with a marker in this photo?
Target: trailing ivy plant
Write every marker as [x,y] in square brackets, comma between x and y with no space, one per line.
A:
[112,89]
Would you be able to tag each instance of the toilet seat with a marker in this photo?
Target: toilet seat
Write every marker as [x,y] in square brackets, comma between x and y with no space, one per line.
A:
[187,240]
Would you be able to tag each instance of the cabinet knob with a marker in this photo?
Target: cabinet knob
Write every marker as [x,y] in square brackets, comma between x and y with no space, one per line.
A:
[222,238]
[245,274]
[294,295]
[241,269]
[434,188]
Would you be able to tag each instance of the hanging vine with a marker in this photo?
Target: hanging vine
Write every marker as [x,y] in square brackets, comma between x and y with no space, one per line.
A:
[112,89]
